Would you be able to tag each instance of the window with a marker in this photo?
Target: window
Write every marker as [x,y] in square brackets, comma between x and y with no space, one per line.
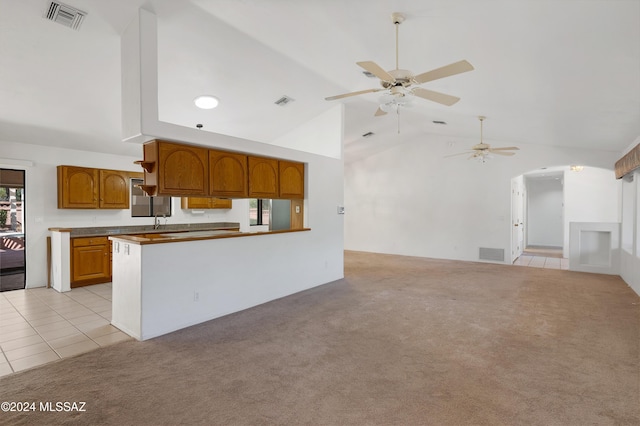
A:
[259,211]
[144,206]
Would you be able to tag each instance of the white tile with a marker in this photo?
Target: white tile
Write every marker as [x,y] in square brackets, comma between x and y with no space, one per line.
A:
[68,340]
[26,351]
[5,369]
[21,342]
[16,335]
[34,360]
[89,326]
[110,339]
[77,348]
[59,332]
[101,331]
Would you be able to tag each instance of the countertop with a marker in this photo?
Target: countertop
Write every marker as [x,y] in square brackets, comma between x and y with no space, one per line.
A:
[105,231]
[174,237]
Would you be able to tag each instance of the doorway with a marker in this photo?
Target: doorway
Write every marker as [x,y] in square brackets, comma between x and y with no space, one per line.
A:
[12,236]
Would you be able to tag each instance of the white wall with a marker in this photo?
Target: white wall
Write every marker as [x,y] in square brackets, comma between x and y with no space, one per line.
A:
[545,212]
[630,252]
[409,199]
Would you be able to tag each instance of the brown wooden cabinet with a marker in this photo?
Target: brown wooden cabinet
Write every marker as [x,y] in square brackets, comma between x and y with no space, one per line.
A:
[263,177]
[228,174]
[77,187]
[89,188]
[175,169]
[90,261]
[291,175]
[114,189]
[205,203]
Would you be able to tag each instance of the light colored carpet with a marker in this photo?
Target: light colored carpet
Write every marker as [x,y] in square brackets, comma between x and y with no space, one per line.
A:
[399,341]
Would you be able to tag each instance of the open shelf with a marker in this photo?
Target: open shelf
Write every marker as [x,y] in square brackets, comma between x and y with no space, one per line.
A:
[146,165]
[150,190]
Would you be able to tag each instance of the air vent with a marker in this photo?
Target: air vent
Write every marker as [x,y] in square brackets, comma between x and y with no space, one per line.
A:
[283,100]
[439,122]
[366,135]
[65,15]
[368,74]
[491,254]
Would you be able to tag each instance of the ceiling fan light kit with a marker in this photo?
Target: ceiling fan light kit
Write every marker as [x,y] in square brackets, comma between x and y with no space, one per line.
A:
[402,84]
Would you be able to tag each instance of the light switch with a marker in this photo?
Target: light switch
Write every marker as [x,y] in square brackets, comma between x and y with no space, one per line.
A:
[340,209]
[297,209]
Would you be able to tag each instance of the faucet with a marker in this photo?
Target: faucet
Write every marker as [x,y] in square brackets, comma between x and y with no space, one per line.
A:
[156,222]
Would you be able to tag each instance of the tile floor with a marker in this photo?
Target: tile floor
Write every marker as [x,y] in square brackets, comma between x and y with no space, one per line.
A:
[40,325]
[542,262]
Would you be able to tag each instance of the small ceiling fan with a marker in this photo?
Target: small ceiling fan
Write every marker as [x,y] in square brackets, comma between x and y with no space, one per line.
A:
[482,150]
[399,83]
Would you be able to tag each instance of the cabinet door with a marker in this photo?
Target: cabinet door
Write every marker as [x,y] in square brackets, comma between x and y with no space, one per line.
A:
[263,177]
[182,170]
[90,260]
[77,187]
[114,189]
[205,203]
[291,179]
[228,174]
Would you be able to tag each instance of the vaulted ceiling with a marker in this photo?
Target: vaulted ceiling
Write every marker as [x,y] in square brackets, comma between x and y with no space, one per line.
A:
[557,72]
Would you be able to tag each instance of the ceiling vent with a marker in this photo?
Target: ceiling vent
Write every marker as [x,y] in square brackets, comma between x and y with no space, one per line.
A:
[283,100]
[439,122]
[369,74]
[65,15]
[368,134]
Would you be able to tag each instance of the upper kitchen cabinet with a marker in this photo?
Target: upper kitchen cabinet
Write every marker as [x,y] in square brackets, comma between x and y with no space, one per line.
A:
[205,203]
[114,189]
[77,187]
[263,177]
[88,188]
[175,169]
[228,174]
[291,179]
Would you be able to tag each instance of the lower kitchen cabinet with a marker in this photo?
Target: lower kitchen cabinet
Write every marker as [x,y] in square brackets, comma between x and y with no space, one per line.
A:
[90,261]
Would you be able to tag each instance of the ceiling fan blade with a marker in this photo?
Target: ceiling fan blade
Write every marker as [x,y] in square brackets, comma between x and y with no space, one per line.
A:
[380,112]
[376,70]
[346,95]
[506,148]
[460,153]
[494,151]
[446,71]
[441,98]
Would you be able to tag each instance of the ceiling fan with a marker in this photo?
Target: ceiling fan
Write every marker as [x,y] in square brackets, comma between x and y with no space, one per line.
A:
[401,84]
[482,150]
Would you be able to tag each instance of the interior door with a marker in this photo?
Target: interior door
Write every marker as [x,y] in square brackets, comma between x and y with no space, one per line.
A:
[12,236]
[517,222]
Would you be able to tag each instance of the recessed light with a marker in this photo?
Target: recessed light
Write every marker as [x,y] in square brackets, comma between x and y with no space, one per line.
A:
[206,102]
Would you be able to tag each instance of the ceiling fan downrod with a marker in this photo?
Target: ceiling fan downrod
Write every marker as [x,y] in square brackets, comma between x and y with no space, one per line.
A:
[397,18]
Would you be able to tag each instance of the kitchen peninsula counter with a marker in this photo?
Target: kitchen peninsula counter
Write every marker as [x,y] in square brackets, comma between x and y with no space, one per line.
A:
[163,237]
[165,282]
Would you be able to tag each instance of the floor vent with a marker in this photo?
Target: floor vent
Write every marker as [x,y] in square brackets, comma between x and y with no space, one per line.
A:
[491,254]
[66,15]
